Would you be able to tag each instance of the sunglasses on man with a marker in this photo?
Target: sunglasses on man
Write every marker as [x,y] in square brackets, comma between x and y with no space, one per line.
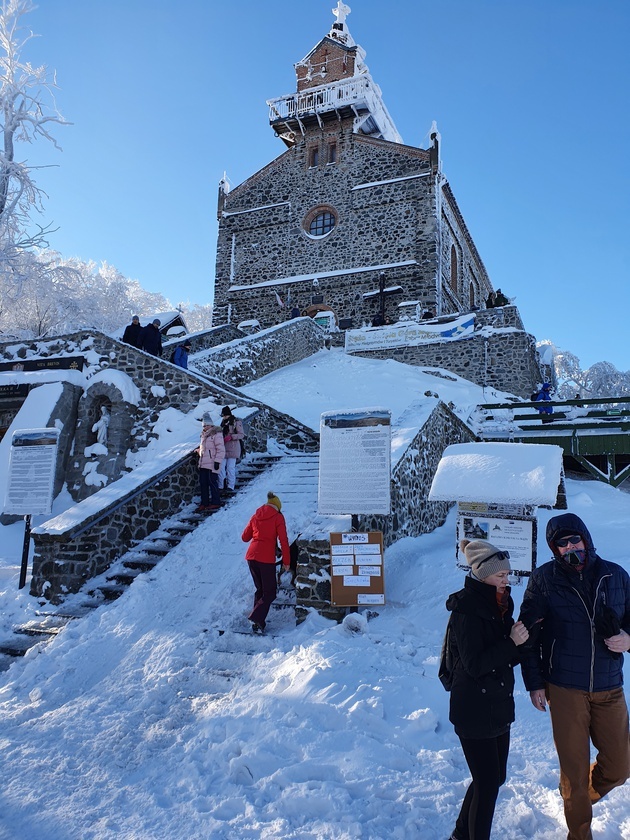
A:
[563,543]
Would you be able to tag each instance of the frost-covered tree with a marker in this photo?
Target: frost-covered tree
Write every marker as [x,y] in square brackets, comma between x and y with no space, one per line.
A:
[198,316]
[58,295]
[27,113]
[600,380]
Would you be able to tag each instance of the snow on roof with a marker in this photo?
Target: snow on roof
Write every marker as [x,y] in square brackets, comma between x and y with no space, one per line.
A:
[130,392]
[511,473]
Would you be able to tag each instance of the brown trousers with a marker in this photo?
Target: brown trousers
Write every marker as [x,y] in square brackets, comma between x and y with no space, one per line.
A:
[577,717]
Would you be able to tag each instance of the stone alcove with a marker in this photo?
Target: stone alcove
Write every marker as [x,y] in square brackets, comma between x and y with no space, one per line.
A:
[95,464]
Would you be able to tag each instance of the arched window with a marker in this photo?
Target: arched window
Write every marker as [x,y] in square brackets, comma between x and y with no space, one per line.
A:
[453,269]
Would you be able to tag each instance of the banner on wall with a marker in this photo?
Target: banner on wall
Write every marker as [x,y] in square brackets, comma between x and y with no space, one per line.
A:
[408,334]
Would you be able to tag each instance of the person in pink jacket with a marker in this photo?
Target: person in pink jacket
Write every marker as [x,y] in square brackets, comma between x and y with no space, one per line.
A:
[232,437]
[211,454]
[263,531]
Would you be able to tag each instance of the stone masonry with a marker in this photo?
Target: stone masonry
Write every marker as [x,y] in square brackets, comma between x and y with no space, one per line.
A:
[504,358]
[246,359]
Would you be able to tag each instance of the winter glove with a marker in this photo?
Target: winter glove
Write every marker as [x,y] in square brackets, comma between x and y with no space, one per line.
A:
[227,437]
[217,466]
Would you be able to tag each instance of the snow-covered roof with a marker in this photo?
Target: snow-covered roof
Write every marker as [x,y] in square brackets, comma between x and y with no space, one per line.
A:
[511,473]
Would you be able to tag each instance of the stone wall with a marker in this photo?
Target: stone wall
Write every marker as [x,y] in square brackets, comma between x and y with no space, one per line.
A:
[242,361]
[412,513]
[384,198]
[505,360]
[63,562]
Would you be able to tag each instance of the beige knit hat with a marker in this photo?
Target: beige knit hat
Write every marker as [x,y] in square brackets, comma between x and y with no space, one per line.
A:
[272,499]
[484,558]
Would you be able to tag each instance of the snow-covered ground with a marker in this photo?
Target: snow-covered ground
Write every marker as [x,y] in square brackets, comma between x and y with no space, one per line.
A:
[144,721]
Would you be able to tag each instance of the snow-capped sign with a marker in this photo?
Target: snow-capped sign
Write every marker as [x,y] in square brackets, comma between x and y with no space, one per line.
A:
[355,461]
[31,478]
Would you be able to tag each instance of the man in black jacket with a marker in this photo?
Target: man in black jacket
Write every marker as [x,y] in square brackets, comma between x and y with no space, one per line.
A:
[151,338]
[577,608]
[132,333]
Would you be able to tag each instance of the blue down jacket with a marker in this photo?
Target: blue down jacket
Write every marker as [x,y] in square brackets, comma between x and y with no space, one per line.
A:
[560,609]
[482,702]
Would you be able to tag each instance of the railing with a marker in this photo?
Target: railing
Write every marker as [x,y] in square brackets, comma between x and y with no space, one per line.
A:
[323,98]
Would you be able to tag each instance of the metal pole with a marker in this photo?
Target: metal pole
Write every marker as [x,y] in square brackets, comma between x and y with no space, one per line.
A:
[25,548]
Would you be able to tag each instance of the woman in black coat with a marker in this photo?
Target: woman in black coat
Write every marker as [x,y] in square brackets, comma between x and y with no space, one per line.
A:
[483,647]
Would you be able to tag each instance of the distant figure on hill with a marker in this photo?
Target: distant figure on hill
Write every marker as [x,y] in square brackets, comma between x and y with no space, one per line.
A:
[151,338]
[544,395]
[264,531]
[378,320]
[232,437]
[133,332]
[428,313]
[491,301]
[295,312]
[180,355]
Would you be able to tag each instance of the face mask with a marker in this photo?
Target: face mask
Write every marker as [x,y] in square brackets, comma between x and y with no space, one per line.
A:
[575,558]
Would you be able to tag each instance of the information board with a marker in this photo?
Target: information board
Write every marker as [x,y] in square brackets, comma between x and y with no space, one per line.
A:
[31,477]
[516,534]
[355,462]
[356,569]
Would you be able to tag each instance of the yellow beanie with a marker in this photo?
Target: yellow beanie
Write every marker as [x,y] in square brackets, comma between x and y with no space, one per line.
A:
[272,499]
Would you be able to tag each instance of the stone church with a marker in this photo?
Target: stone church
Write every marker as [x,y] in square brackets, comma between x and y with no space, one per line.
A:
[348,218]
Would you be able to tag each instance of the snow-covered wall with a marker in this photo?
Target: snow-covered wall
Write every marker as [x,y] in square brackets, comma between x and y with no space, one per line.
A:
[253,357]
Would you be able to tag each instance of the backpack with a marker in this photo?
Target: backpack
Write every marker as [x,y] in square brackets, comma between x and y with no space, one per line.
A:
[448,660]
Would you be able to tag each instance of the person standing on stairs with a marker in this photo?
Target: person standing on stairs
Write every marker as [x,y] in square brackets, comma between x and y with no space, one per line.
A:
[211,454]
[264,531]
[232,437]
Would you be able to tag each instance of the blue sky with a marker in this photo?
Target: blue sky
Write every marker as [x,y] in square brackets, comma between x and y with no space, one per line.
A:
[530,97]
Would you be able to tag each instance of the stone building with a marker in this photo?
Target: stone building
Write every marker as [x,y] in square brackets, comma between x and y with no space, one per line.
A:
[348,218]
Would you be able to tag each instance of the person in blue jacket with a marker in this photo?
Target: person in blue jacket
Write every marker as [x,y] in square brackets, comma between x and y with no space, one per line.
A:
[577,610]
[544,395]
[180,355]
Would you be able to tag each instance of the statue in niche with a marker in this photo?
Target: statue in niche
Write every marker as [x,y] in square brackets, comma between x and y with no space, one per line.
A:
[101,426]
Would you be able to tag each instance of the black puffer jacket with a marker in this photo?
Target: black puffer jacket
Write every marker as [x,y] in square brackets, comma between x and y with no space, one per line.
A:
[564,647]
[482,702]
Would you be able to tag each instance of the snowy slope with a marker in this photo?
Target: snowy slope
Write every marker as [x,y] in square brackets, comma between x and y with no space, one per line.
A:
[142,721]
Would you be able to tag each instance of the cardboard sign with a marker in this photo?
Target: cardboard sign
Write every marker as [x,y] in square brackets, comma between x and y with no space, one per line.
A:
[356,569]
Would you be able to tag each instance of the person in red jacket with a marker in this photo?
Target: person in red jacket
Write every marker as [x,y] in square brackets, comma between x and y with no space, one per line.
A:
[264,530]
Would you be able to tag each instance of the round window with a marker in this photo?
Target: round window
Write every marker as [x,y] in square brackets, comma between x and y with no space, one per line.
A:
[322,224]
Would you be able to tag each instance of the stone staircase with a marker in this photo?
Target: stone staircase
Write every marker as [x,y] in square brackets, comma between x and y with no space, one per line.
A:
[122,573]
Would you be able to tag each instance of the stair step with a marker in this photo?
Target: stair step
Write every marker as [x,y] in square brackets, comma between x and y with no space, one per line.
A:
[18,646]
[124,578]
[37,630]
[109,592]
[141,565]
